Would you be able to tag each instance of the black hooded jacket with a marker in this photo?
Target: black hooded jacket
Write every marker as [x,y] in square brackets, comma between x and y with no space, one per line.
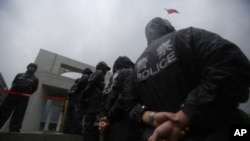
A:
[117,87]
[191,69]
[83,82]
[92,94]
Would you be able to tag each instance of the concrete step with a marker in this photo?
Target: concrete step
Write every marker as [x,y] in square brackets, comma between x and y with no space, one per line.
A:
[39,137]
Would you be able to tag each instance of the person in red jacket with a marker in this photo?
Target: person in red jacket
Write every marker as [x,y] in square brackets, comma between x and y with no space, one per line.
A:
[188,79]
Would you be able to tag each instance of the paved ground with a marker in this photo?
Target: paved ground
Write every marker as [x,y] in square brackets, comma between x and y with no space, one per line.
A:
[39,137]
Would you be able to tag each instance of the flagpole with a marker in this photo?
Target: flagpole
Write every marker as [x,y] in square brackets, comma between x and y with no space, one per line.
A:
[169,18]
[167,14]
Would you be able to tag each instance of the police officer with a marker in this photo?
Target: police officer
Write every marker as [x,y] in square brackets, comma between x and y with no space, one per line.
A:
[92,97]
[188,79]
[24,83]
[70,123]
[75,113]
[79,106]
[114,123]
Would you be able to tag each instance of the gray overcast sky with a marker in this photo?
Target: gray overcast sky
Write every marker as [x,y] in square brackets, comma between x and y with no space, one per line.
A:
[93,30]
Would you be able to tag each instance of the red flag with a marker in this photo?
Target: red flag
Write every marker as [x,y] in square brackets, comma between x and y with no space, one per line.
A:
[170,11]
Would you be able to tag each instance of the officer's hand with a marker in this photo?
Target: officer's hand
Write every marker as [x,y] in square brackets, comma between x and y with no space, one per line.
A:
[169,131]
[161,117]
[103,124]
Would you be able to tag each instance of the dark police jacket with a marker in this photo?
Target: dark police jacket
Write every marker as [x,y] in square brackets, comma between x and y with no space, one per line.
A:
[117,88]
[194,70]
[25,82]
[113,94]
[92,94]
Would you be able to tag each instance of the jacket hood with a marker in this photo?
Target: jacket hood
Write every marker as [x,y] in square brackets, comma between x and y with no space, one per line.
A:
[102,66]
[156,28]
[87,71]
[122,62]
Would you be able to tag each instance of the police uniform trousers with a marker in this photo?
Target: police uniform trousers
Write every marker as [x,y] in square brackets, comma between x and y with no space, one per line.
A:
[17,105]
